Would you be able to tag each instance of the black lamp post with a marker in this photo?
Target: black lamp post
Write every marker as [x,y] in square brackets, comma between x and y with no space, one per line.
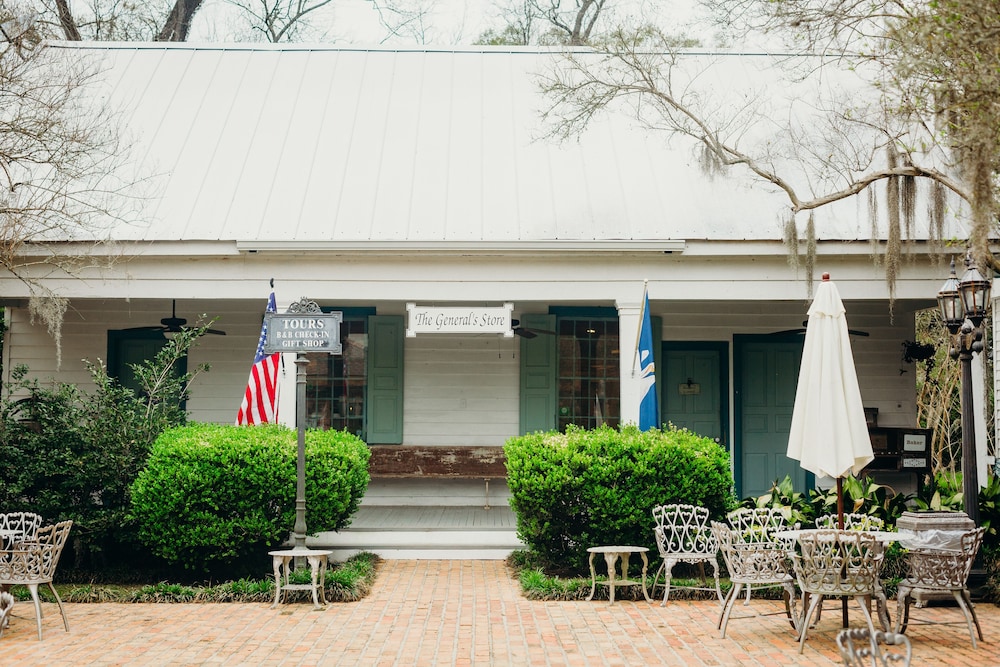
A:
[963,307]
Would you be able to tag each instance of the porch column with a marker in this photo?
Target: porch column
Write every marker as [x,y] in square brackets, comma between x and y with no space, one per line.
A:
[628,331]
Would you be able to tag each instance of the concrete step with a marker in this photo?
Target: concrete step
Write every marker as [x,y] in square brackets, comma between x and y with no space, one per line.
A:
[425,532]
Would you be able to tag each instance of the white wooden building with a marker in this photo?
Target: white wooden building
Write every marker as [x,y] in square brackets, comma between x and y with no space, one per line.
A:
[369,179]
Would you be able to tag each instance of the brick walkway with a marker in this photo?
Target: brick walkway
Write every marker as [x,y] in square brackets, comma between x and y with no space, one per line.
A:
[455,613]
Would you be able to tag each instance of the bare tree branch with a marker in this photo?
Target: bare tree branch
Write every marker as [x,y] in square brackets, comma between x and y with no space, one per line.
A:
[890,131]
[61,172]
[278,20]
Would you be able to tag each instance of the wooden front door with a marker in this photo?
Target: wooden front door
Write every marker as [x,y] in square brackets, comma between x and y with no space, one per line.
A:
[695,388]
[766,376]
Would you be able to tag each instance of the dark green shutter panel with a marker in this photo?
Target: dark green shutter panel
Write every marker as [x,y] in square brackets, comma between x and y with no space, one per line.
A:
[658,361]
[385,380]
[539,367]
[131,348]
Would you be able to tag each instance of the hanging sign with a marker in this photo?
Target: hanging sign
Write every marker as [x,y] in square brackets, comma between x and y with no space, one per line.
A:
[303,332]
[459,319]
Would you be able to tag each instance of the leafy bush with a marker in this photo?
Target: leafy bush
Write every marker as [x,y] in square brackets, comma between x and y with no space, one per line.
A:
[861,496]
[795,506]
[215,495]
[73,454]
[578,489]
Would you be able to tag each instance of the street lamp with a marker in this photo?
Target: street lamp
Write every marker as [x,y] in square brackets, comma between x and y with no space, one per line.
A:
[964,305]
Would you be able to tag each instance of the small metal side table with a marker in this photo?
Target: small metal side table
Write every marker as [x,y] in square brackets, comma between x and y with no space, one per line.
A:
[285,560]
[611,556]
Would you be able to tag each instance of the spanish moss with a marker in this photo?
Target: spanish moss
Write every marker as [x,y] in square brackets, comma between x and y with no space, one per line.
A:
[791,240]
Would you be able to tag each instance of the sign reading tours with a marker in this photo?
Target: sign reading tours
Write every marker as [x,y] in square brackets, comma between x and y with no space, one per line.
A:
[459,319]
[303,332]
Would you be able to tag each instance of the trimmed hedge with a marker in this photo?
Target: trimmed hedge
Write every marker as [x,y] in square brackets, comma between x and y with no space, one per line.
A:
[584,488]
[213,495]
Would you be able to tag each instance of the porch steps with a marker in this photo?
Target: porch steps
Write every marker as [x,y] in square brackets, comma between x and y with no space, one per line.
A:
[428,518]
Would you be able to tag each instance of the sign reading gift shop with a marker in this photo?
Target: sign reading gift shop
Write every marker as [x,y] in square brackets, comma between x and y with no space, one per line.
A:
[303,332]
[459,319]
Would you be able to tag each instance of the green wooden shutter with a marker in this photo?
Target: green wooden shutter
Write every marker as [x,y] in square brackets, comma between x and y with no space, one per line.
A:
[384,407]
[129,348]
[539,367]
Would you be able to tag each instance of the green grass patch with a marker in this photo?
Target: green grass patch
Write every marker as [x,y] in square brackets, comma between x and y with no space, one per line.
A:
[349,581]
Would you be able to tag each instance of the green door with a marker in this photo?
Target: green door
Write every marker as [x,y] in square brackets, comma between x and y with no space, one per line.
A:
[766,376]
[694,390]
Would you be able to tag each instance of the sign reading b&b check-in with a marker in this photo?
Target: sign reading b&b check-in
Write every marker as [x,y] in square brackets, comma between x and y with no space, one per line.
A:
[459,319]
[303,332]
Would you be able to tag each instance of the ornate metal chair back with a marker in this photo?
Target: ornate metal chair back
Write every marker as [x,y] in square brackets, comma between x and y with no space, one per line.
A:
[751,562]
[683,529]
[757,524]
[838,562]
[19,526]
[852,521]
[860,648]
[945,570]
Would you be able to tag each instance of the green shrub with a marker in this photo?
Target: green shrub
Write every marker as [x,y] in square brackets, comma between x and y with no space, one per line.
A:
[71,453]
[216,495]
[578,489]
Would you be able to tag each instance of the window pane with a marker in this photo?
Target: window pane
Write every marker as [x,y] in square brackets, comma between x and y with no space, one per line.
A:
[335,384]
[588,373]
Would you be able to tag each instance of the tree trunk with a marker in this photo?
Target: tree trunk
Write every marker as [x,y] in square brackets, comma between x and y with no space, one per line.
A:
[178,23]
[67,21]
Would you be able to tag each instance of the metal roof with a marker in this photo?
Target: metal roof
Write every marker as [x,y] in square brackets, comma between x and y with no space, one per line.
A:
[302,145]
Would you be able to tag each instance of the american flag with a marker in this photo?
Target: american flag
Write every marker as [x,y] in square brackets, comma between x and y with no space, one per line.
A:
[260,401]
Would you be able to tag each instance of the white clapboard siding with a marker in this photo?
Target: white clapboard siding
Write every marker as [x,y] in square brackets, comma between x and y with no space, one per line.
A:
[460,389]
[215,395]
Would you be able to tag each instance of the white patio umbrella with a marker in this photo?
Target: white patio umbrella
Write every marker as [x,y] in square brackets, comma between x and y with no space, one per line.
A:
[829,434]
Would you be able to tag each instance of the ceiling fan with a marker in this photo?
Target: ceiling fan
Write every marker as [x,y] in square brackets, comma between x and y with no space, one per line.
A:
[527,332]
[174,324]
[787,332]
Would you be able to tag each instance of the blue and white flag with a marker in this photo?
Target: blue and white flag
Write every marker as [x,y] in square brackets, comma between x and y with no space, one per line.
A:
[649,416]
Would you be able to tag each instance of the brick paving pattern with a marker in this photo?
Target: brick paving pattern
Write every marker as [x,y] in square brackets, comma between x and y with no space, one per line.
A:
[466,613]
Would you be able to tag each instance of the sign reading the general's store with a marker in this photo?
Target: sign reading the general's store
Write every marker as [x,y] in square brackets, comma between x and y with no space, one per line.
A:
[303,332]
[459,319]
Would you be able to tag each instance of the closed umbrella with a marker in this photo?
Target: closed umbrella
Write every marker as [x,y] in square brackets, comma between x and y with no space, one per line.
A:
[829,434]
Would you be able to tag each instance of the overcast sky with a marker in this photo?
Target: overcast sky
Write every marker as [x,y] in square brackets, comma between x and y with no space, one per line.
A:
[452,21]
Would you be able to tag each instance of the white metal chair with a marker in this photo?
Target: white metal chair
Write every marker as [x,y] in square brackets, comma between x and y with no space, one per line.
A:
[937,571]
[757,524]
[860,648]
[754,563]
[839,563]
[32,563]
[684,536]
